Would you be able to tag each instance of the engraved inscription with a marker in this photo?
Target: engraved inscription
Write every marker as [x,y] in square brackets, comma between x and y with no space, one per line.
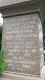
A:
[21,42]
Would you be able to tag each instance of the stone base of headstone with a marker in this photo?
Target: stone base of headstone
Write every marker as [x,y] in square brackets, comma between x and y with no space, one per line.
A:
[10,76]
[16,76]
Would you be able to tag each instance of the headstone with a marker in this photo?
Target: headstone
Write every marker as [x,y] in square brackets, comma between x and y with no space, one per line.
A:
[22,42]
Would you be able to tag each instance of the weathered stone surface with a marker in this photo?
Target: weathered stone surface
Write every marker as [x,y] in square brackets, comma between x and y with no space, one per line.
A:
[10,2]
[22,42]
[10,76]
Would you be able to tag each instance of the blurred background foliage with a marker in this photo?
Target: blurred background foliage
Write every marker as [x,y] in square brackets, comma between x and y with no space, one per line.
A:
[44,38]
[2,62]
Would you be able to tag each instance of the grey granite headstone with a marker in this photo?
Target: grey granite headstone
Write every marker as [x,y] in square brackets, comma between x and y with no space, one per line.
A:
[22,42]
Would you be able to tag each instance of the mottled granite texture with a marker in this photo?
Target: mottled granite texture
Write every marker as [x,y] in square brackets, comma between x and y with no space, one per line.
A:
[22,42]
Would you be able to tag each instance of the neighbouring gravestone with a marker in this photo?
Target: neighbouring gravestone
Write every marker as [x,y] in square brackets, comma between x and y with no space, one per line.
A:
[22,42]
